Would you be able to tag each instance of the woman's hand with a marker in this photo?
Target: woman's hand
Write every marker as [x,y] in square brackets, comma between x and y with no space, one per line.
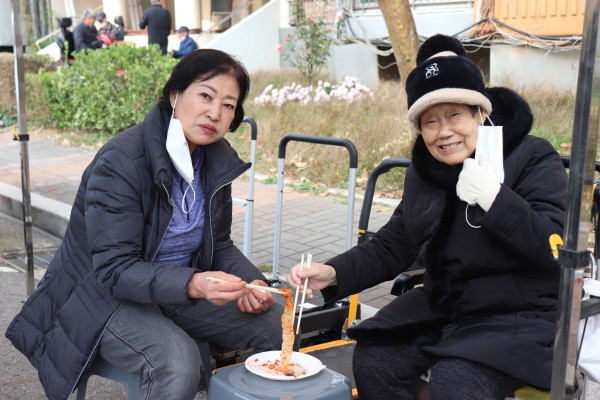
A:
[255,300]
[319,277]
[478,183]
[218,293]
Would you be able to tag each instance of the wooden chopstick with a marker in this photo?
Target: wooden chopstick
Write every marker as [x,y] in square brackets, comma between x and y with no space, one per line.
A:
[248,285]
[263,288]
[296,295]
[308,261]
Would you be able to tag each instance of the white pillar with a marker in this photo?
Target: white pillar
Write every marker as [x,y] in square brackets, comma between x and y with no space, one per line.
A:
[206,14]
[69,9]
[188,13]
[112,8]
[63,8]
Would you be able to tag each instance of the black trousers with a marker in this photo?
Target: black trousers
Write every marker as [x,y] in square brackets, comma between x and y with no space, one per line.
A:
[392,371]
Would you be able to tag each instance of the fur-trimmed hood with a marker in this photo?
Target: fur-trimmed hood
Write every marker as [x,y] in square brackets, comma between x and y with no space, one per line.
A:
[512,112]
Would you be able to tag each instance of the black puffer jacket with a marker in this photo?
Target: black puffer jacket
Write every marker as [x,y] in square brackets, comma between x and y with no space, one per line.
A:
[490,294]
[120,216]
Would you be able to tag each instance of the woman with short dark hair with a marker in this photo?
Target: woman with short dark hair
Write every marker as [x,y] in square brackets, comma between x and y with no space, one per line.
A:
[151,222]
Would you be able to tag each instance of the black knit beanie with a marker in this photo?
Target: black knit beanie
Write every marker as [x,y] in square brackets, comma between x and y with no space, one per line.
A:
[443,74]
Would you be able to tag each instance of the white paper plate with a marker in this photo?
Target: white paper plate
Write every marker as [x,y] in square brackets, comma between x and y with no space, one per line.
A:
[255,364]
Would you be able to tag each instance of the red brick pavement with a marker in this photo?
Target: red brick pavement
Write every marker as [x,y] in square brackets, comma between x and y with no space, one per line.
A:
[310,223]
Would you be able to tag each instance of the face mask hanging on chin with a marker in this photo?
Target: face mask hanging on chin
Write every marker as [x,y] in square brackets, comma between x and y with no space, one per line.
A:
[490,143]
[179,152]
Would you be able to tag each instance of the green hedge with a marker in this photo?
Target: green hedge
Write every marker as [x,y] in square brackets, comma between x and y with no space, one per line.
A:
[33,64]
[105,91]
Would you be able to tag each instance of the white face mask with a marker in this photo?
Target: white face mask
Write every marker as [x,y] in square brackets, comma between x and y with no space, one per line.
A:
[178,148]
[490,143]
[179,152]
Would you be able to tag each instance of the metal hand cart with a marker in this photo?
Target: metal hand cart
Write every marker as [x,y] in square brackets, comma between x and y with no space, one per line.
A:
[337,354]
[353,163]
[329,319]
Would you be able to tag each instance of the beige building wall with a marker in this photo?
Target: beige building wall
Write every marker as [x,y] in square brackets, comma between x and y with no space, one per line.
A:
[541,17]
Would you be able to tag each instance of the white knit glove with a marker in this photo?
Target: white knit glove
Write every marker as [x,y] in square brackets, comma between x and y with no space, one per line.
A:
[478,183]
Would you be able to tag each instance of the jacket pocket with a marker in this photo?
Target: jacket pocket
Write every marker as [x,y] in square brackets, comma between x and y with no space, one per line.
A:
[496,294]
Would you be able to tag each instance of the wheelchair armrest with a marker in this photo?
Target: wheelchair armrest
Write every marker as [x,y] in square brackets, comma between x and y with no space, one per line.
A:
[407,281]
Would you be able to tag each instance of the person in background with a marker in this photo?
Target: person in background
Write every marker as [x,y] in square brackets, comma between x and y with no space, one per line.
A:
[150,224]
[108,33]
[484,320]
[85,34]
[120,27]
[186,44]
[158,21]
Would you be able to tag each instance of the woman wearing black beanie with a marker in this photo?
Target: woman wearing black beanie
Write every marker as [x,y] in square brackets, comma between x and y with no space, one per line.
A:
[483,323]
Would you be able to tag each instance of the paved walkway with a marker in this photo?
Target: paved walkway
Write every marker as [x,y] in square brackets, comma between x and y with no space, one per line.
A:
[311,223]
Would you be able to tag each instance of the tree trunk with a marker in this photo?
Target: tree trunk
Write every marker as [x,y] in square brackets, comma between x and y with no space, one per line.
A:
[403,34]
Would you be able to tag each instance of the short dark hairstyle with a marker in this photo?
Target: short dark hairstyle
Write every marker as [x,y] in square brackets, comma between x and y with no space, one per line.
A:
[202,65]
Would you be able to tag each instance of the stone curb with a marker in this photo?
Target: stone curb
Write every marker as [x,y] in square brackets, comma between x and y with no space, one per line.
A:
[52,216]
[47,214]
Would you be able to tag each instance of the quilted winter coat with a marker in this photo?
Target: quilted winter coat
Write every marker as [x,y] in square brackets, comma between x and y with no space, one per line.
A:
[119,218]
[490,294]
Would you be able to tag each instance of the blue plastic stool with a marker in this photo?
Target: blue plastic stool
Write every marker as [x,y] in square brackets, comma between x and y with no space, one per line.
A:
[133,382]
[103,368]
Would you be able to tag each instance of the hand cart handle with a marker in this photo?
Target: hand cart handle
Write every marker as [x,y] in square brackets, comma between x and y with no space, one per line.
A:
[567,161]
[280,167]
[365,212]
[253,128]
[297,137]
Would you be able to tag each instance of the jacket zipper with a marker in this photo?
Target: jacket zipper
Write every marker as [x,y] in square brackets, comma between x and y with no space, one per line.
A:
[122,302]
[170,219]
[212,240]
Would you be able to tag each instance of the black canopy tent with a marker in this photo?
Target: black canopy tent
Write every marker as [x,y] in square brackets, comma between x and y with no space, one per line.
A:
[574,256]
[23,137]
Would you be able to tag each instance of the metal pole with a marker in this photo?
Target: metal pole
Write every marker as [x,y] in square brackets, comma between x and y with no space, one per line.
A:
[573,257]
[249,216]
[351,201]
[278,212]
[23,137]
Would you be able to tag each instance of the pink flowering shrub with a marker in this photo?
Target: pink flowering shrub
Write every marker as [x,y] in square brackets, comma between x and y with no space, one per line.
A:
[348,90]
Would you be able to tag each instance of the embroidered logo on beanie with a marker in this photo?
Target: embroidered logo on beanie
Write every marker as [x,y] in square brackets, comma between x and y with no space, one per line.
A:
[457,79]
[432,70]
